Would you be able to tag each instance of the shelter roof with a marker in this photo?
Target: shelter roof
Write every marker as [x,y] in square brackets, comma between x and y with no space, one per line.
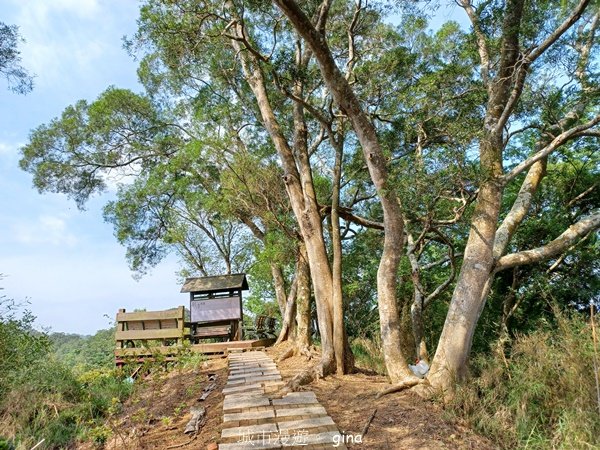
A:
[216,283]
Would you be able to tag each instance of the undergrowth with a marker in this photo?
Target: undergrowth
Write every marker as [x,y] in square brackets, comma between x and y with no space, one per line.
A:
[541,395]
[368,355]
[49,402]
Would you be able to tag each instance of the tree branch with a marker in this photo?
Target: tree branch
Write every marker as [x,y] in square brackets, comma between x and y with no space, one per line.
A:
[558,141]
[482,47]
[553,248]
[556,34]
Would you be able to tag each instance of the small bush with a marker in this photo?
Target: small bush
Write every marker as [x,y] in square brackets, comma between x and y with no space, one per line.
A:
[542,396]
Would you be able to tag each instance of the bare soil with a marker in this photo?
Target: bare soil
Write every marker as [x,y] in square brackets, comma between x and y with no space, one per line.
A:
[402,420]
[154,417]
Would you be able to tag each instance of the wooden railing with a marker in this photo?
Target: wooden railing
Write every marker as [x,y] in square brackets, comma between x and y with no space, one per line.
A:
[144,333]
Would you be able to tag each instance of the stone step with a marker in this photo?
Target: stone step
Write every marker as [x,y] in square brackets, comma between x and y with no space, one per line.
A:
[264,378]
[257,421]
[250,446]
[307,411]
[254,380]
[249,415]
[297,398]
[243,395]
[237,403]
[252,431]
[243,388]
[252,373]
[327,437]
[305,423]
[252,366]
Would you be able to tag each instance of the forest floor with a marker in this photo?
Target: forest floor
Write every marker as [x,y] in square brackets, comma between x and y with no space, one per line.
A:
[154,418]
[402,420]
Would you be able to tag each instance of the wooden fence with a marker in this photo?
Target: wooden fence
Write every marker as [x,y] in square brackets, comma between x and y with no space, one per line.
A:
[145,333]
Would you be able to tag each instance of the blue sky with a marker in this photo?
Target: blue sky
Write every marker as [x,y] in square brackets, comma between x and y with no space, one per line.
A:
[67,262]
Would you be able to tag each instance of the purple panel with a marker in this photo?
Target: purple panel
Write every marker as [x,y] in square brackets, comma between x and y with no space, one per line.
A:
[215,309]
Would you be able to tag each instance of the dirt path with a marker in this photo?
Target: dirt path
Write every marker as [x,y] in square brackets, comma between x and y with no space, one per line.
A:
[255,417]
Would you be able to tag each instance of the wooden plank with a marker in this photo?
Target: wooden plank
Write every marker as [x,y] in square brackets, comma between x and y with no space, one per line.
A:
[137,325]
[150,315]
[152,325]
[214,347]
[169,323]
[170,333]
[221,347]
[213,331]
[120,327]
[143,351]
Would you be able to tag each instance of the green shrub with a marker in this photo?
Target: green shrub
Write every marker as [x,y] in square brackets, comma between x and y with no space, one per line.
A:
[543,395]
[20,345]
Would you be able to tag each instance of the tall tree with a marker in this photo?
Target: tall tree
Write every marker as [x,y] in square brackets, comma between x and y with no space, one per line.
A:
[255,59]
[506,70]
[375,159]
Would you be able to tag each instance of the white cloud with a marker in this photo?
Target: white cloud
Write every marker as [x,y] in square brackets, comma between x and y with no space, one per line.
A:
[5,148]
[47,229]
[9,151]
[62,36]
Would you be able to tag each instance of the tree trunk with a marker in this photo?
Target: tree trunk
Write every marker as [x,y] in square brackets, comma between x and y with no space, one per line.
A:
[343,94]
[303,203]
[474,280]
[416,309]
[343,354]
[279,285]
[286,331]
[450,360]
[303,311]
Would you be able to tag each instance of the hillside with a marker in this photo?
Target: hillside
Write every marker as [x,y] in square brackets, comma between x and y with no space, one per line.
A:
[155,416]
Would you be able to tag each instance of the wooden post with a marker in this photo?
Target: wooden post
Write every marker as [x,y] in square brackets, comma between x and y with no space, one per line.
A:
[120,327]
[240,332]
[181,324]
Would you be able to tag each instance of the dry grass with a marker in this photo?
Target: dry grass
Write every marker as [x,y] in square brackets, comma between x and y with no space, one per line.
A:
[542,396]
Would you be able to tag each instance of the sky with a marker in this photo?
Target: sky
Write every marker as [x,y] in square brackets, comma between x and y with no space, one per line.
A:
[66,263]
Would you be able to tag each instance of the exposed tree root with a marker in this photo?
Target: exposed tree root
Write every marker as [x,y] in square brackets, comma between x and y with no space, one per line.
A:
[303,378]
[296,351]
[368,424]
[321,370]
[406,384]
[308,352]
[288,354]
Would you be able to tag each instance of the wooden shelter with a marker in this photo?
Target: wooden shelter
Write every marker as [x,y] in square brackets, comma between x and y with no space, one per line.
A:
[216,306]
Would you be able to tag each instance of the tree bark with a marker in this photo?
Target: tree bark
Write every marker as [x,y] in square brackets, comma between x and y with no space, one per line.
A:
[554,247]
[343,355]
[286,331]
[450,360]
[303,339]
[279,285]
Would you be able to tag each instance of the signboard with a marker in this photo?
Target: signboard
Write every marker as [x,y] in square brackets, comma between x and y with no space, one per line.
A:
[215,309]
